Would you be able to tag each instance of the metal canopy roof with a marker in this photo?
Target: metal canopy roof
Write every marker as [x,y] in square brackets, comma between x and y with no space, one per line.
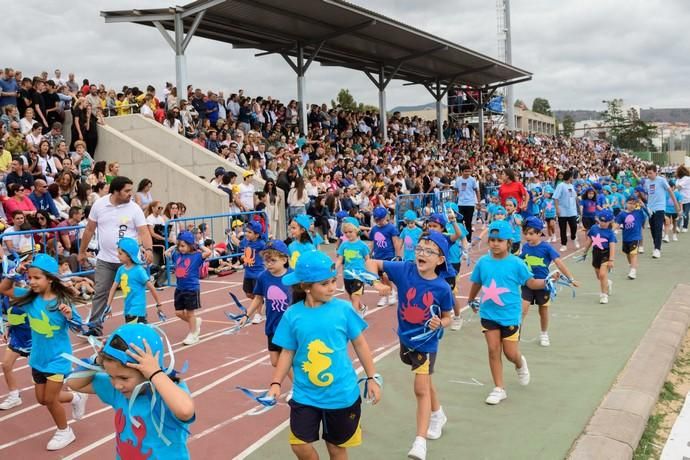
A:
[334,33]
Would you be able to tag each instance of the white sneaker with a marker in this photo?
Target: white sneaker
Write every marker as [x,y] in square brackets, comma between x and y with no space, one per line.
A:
[496,396]
[436,423]
[363,310]
[666,239]
[564,248]
[61,438]
[656,254]
[544,339]
[10,402]
[610,287]
[191,339]
[603,298]
[456,324]
[632,274]
[257,319]
[418,451]
[674,237]
[392,299]
[78,405]
[383,301]
[577,244]
[640,249]
[684,230]
[523,373]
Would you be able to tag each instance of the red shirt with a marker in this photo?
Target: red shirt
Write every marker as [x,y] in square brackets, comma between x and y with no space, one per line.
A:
[514,189]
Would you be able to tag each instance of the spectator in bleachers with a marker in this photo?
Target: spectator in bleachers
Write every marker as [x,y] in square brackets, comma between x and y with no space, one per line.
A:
[60,203]
[17,243]
[19,201]
[143,194]
[68,238]
[42,199]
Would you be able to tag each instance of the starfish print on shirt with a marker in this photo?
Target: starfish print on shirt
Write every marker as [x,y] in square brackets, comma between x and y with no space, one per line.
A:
[598,241]
[493,292]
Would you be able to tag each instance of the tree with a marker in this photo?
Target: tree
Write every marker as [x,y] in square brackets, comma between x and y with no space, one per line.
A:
[625,127]
[345,100]
[541,105]
[520,104]
[568,126]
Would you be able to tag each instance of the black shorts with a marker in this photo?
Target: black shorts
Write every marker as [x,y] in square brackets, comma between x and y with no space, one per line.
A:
[630,247]
[248,285]
[20,351]
[550,219]
[187,300]
[599,257]
[421,362]
[510,333]
[616,211]
[340,426]
[354,287]
[272,346]
[451,282]
[132,319]
[456,266]
[535,296]
[587,222]
[671,215]
[515,248]
[40,378]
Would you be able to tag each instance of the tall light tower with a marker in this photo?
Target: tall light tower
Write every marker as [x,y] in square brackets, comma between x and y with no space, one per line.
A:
[505,53]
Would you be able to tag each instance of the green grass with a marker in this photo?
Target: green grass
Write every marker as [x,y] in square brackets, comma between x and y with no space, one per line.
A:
[668,393]
[647,448]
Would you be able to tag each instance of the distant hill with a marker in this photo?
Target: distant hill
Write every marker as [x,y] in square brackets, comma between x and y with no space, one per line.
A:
[649,115]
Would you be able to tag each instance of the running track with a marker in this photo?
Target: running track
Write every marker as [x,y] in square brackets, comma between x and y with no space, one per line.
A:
[217,364]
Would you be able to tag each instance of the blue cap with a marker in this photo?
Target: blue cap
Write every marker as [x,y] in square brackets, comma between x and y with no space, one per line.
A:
[380,212]
[352,221]
[512,200]
[277,245]
[605,215]
[500,210]
[537,190]
[311,267]
[500,229]
[641,189]
[304,220]
[254,226]
[130,247]
[341,214]
[46,263]
[494,192]
[631,198]
[452,205]
[548,189]
[534,222]
[607,188]
[410,215]
[133,334]
[438,218]
[186,237]
[597,186]
[442,242]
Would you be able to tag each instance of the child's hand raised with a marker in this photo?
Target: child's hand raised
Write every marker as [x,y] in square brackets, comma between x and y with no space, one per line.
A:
[66,310]
[146,361]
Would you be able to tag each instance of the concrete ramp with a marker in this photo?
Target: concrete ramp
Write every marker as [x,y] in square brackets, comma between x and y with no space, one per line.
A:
[145,148]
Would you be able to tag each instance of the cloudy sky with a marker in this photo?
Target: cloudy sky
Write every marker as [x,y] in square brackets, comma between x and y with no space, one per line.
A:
[579,51]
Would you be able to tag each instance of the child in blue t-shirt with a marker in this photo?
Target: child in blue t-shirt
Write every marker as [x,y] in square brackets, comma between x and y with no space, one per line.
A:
[603,240]
[48,307]
[132,279]
[538,255]
[514,218]
[386,244]
[314,334]
[588,202]
[131,360]
[631,221]
[188,259]
[671,214]
[250,247]
[352,256]
[548,212]
[500,276]
[424,306]
[410,235]
[302,239]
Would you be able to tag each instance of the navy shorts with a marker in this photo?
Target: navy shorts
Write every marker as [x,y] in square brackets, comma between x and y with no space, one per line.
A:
[272,346]
[353,287]
[248,285]
[20,340]
[187,300]
[536,296]
[133,319]
[340,426]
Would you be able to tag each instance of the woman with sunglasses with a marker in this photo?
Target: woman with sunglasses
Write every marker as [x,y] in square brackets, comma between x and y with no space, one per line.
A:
[19,201]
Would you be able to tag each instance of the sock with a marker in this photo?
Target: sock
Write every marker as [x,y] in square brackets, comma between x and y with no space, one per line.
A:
[544,332]
[435,413]
[421,439]
[13,394]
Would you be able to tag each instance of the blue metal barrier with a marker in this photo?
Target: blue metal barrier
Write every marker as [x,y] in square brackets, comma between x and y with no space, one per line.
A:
[213,227]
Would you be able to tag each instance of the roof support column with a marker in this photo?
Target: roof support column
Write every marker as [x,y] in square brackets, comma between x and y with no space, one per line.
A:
[381,83]
[180,58]
[481,117]
[300,90]
[438,94]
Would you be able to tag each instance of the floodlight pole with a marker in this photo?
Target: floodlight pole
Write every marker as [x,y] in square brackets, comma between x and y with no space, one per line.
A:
[510,109]
[481,117]
[302,110]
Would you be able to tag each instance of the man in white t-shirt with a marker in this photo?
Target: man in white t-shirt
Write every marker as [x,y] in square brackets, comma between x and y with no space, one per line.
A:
[247,191]
[113,216]
[17,243]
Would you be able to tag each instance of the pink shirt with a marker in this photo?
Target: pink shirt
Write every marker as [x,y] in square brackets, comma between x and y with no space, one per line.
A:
[11,204]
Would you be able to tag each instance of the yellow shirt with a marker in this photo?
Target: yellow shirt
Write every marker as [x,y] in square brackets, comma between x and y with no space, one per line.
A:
[5,161]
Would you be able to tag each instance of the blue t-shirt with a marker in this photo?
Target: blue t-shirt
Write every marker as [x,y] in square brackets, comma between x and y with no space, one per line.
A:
[151,446]
[277,298]
[416,295]
[602,201]
[132,282]
[252,261]
[354,254]
[383,248]
[656,193]
[410,238]
[324,374]
[455,248]
[670,207]
[601,237]
[515,221]
[589,208]
[187,268]
[8,85]
[538,258]
[467,191]
[548,207]
[19,332]
[501,281]
[567,199]
[49,335]
[298,248]
[631,223]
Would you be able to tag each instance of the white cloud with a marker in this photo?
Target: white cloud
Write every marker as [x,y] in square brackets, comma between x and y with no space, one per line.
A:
[580,52]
